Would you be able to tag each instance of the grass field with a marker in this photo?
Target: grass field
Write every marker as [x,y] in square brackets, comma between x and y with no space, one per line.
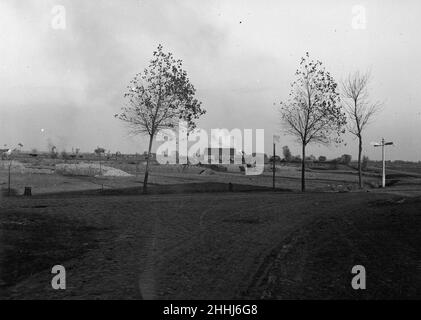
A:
[192,239]
[47,176]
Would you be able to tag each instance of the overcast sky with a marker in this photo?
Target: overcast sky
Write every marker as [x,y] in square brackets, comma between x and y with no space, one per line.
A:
[63,86]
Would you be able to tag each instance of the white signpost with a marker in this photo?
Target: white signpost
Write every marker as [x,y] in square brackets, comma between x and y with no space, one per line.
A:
[383,144]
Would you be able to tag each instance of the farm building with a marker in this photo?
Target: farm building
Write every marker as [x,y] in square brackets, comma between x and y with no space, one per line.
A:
[220,155]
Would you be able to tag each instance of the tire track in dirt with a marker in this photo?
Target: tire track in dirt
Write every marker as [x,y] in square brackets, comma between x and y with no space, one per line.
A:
[147,286]
[152,259]
[187,233]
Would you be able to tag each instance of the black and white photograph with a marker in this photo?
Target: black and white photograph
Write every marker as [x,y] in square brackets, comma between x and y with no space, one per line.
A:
[210,150]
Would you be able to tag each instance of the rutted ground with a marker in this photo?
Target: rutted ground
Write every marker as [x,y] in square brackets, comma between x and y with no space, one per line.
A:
[209,246]
[384,237]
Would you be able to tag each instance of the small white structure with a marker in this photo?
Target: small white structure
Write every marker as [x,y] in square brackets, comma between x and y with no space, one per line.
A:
[5,153]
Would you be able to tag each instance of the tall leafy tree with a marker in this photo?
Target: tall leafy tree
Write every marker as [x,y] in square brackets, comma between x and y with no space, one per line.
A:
[190,114]
[287,153]
[313,113]
[157,98]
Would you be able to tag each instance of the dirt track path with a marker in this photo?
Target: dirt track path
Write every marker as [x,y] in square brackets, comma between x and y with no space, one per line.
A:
[210,246]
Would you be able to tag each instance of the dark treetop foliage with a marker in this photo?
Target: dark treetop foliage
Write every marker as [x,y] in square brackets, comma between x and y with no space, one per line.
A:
[99,150]
[287,153]
[313,112]
[160,96]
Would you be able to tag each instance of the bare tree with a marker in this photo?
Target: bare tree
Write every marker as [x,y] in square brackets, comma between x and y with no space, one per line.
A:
[359,109]
[313,112]
[157,98]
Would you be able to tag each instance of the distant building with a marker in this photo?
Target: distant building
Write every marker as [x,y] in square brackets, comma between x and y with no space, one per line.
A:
[144,156]
[220,155]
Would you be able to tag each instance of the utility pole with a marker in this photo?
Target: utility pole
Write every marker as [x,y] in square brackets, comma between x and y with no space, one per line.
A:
[8,181]
[383,166]
[276,138]
[383,144]
[137,164]
[273,166]
[9,155]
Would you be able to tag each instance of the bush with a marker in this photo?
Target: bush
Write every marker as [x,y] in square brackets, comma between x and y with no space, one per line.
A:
[364,163]
[334,164]
[99,151]
[287,153]
[64,155]
[277,159]
[322,159]
[345,159]
[311,158]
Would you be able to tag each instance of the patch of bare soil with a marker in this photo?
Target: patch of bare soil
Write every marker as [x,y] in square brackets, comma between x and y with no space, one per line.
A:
[212,245]
[172,246]
[315,262]
[31,242]
[89,169]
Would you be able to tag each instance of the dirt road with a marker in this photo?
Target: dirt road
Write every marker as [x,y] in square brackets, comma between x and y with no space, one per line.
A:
[210,246]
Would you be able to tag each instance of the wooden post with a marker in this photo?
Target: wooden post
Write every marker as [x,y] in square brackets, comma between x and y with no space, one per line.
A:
[100,164]
[8,184]
[383,166]
[273,167]
[27,192]
[137,164]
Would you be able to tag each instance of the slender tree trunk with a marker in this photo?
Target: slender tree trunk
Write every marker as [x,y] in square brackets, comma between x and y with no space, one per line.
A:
[188,162]
[360,169]
[137,164]
[303,169]
[8,184]
[145,181]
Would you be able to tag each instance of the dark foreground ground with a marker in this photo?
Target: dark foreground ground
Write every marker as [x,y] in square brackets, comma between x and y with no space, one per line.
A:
[211,246]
